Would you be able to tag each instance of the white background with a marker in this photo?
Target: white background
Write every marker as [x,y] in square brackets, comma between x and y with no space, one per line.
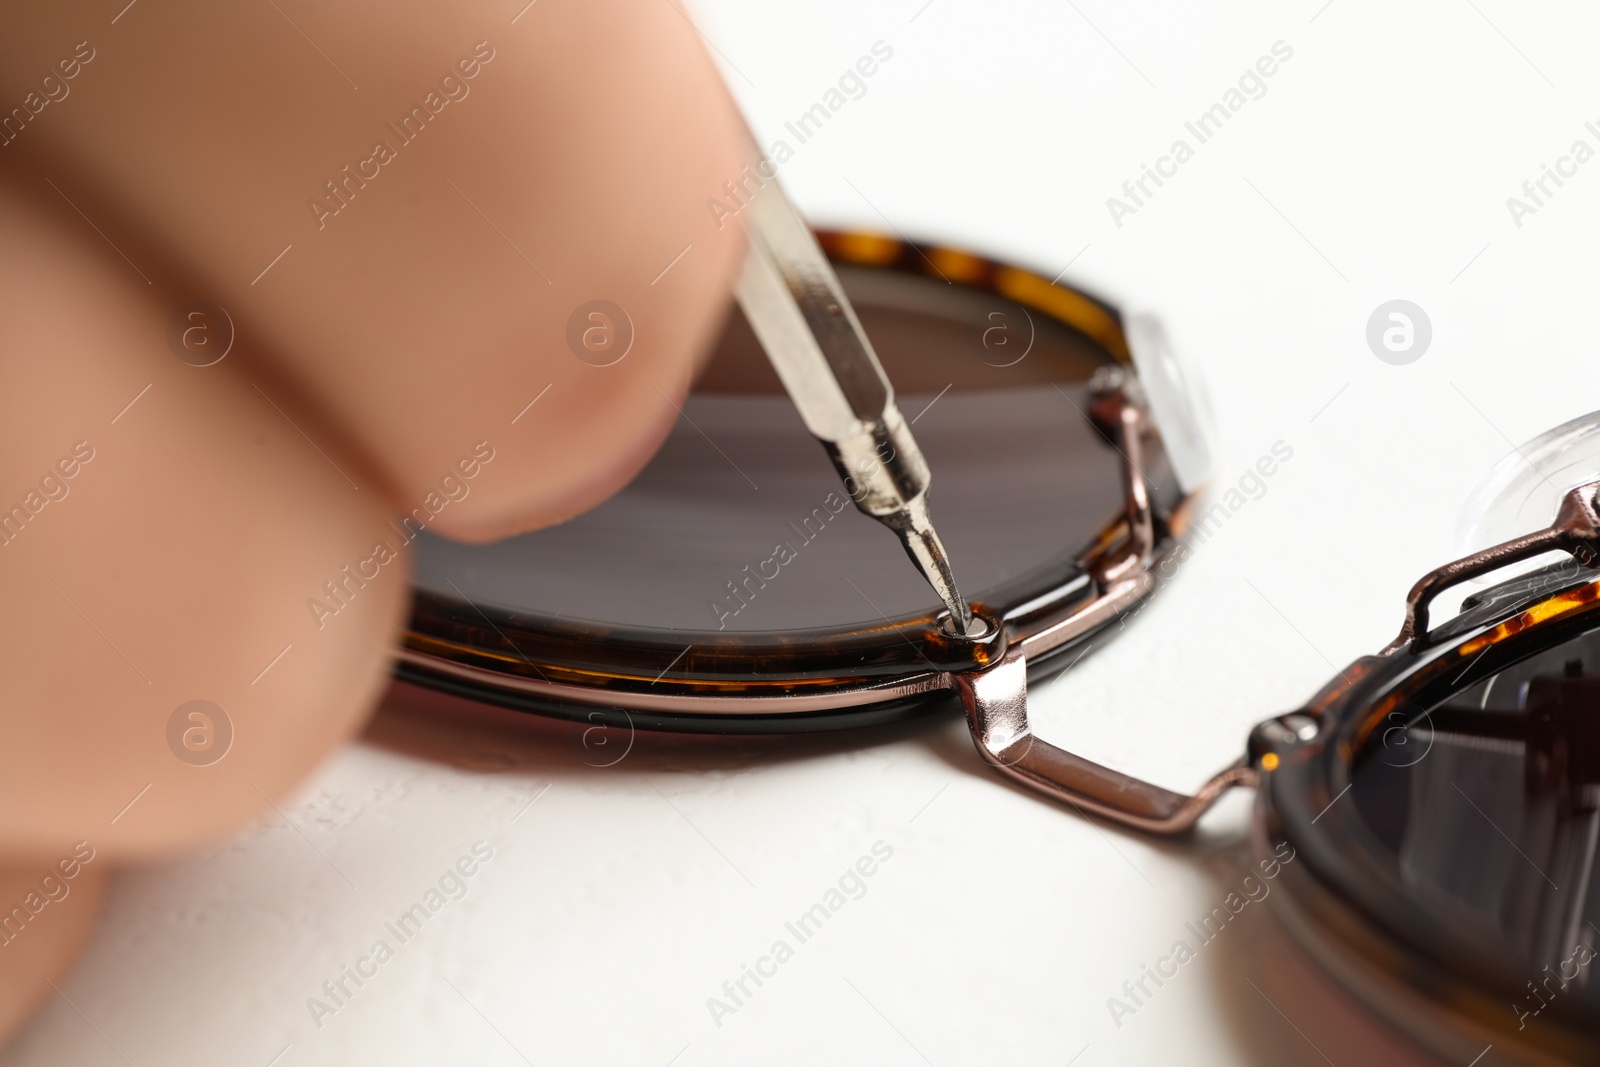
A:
[1377,166]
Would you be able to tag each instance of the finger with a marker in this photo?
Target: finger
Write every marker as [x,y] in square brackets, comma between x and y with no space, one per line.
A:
[47,917]
[408,214]
[163,531]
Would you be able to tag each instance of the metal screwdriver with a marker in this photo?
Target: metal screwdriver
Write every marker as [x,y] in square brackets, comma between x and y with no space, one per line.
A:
[801,316]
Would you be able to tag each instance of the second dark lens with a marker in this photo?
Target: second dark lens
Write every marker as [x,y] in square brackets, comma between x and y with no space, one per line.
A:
[1488,805]
[740,523]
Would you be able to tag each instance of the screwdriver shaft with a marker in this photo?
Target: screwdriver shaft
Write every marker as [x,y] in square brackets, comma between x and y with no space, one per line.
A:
[800,314]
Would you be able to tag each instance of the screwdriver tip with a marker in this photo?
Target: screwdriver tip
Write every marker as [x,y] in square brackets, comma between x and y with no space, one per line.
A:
[915,529]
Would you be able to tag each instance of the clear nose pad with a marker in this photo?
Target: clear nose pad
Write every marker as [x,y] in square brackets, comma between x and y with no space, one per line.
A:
[1522,491]
[1178,403]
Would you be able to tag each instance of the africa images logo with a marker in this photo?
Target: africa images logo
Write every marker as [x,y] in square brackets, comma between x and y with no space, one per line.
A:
[1251,85]
[851,885]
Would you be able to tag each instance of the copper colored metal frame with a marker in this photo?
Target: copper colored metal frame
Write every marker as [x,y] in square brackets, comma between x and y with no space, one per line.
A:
[1576,529]
[755,682]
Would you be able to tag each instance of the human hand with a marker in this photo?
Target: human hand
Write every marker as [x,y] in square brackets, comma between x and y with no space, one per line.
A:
[385,217]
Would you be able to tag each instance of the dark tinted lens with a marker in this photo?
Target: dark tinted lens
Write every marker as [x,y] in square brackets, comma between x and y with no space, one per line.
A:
[740,522]
[1488,805]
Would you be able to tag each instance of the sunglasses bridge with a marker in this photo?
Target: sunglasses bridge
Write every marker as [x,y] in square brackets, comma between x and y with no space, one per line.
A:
[996,698]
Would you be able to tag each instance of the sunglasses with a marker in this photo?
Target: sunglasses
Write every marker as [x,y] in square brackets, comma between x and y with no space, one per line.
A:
[731,588]
[1441,798]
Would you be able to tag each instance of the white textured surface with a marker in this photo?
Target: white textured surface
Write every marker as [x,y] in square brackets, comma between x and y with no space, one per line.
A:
[1001,925]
